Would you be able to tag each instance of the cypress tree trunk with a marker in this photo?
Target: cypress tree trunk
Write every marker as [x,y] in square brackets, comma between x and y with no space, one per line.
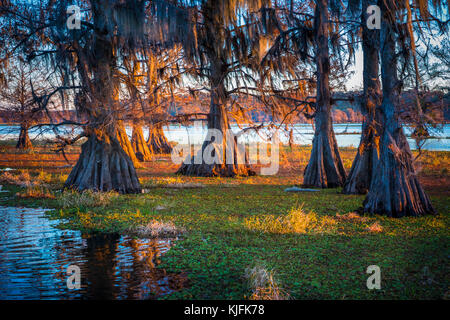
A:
[157,140]
[324,169]
[395,190]
[140,147]
[24,142]
[360,176]
[218,119]
[103,164]
[125,142]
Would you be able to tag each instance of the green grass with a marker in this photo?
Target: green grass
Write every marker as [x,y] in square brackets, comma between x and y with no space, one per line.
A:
[220,243]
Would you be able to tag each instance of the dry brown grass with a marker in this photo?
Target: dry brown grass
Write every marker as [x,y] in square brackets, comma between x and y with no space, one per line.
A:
[36,192]
[375,227]
[88,198]
[21,178]
[431,165]
[350,216]
[263,285]
[156,229]
[296,221]
[172,182]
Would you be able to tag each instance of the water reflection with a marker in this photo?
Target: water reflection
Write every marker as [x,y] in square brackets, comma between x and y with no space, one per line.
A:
[34,256]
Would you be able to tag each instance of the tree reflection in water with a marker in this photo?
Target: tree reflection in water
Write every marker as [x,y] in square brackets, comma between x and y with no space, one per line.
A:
[35,254]
[125,268]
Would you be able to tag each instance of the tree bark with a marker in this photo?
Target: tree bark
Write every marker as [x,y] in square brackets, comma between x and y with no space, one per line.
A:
[157,140]
[24,142]
[218,119]
[324,169]
[125,142]
[140,147]
[395,190]
[360,176]
[103,165]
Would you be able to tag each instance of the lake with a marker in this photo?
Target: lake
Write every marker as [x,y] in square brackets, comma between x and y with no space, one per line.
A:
[346,134]
[35,255]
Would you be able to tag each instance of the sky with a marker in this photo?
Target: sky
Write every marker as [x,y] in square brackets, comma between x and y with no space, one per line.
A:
[356,80]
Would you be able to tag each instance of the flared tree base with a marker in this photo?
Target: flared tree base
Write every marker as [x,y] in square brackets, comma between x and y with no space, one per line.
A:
[366,159]
[103,166]
[24,142]
[324,169]
[160,147]
[139,145]
[157,141]
[395,190]
[125,143]
[358,180]
[238,167]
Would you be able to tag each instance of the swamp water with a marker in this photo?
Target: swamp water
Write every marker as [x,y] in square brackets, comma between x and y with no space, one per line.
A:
[35,255]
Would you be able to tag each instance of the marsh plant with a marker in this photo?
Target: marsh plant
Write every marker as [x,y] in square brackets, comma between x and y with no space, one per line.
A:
[156,229]
[22,178]
[87,198]
[296,221]
[263,284]
[37,192]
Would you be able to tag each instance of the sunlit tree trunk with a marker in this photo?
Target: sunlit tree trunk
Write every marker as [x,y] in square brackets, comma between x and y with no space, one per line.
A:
[359,178]
[140,147]
[125,142]
[157,140]
[395,190]
[24,142]
[103,164]
[324,169]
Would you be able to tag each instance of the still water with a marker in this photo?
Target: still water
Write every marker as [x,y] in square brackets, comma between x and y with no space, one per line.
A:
[35,255]
[346,134]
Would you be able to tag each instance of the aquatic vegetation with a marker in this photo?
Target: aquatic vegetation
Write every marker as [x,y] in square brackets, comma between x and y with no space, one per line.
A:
[325,259]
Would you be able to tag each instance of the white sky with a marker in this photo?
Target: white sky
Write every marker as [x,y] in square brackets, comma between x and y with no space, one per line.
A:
[356,80]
